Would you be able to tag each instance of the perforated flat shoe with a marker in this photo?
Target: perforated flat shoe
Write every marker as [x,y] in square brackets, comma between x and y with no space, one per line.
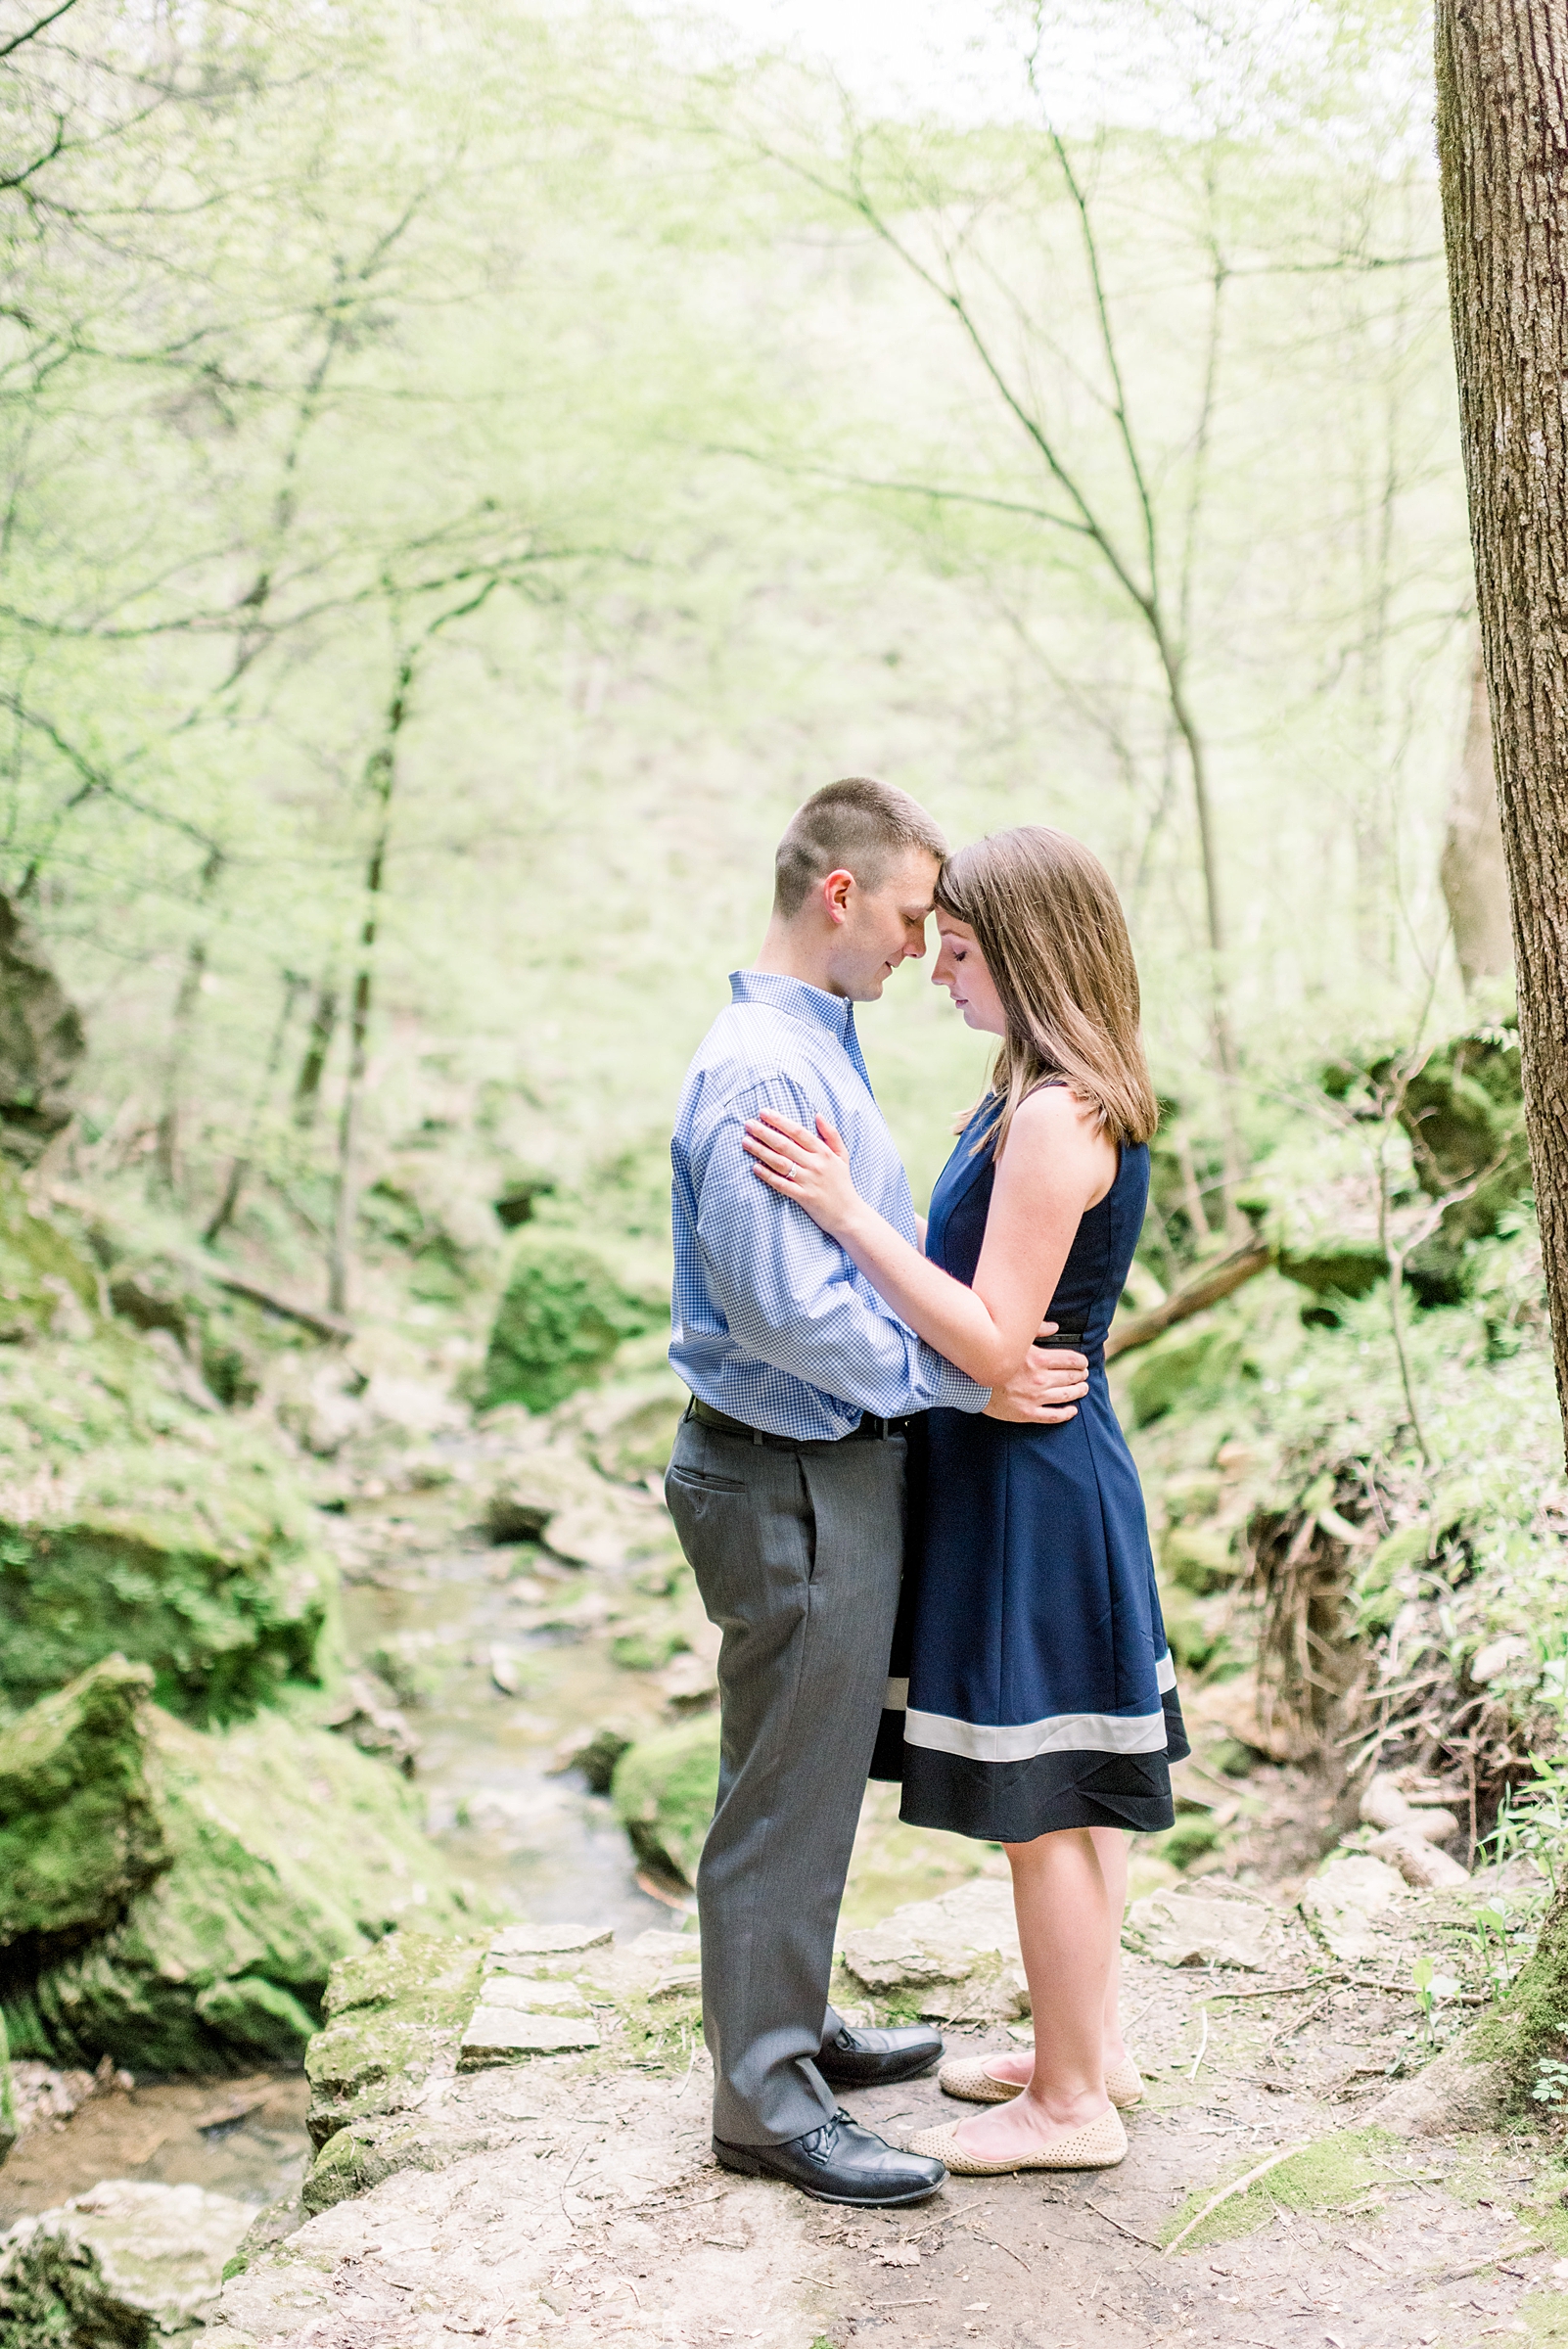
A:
[966,2076]
[1098,2146]
[840,2163]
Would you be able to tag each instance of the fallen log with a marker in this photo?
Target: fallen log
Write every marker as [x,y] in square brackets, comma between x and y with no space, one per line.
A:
[1204,1289]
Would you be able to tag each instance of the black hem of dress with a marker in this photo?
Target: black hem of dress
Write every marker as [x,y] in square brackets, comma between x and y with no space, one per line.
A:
[1014,1802]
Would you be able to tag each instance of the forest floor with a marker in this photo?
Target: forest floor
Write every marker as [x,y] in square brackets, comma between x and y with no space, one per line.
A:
[576,2200]
[595,2213]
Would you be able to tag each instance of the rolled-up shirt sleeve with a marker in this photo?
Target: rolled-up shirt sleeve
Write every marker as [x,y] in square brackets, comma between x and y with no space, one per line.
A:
[790,1294]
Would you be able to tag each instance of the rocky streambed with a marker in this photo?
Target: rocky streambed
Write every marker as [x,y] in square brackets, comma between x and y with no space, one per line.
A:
[561,2187]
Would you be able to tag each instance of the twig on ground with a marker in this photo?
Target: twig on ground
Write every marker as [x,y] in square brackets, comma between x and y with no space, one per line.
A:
[1525,2248]
[1203,2045]
[1132,2236]
[1238,2186]
[1280,1989]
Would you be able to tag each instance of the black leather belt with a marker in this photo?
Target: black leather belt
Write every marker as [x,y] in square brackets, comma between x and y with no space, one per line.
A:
[871,1430]
[1073,1339]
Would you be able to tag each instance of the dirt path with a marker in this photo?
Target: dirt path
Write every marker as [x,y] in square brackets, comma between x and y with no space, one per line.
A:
[577,2205]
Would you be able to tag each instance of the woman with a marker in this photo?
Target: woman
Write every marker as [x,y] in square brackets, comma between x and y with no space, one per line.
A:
[1041,1710]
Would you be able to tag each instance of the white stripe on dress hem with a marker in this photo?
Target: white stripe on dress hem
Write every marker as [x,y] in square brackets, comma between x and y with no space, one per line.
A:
[1060,1734]
[1164,1673]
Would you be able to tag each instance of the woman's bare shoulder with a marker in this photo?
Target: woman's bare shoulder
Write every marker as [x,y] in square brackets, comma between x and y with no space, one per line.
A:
[1053,1111]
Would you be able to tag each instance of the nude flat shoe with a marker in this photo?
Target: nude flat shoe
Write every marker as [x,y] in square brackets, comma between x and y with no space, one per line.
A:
[966,2076]
[1098,2146]
[1124,2083]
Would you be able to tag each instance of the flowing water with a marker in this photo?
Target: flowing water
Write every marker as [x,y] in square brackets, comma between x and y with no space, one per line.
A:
[448,1613]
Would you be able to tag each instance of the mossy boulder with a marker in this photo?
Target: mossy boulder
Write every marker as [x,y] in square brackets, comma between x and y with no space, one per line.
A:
[1198,1558]
[1336,1268]
[1190,1368]
[390,2012]
[132,1521]
[277,1852]
[41,1041]
[79,1830]
[560,1319]
[127,2266]
[663,1792]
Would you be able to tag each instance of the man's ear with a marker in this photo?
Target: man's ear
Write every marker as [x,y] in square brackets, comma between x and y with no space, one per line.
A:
[835,891]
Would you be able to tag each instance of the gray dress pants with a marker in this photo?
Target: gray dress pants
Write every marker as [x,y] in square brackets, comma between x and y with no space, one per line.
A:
[798,1554]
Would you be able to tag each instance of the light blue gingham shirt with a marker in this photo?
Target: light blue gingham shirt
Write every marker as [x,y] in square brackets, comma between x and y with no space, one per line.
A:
[773,1322]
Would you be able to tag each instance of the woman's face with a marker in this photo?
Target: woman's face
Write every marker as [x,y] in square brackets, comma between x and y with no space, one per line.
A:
[961,970]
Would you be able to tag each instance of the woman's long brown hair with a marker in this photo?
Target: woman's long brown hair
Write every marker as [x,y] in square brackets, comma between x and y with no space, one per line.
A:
[1050,926]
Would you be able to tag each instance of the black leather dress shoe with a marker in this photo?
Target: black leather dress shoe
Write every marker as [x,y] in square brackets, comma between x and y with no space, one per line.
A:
[840,2163]
[877,2058]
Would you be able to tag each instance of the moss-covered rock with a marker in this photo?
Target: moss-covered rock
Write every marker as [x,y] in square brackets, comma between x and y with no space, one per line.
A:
[286,1851]
[391,2012]
[560,1319]
[124,2267]
[80,1831]
[664,1791]
[1198,1558]
[1188,1367]
[132,1521]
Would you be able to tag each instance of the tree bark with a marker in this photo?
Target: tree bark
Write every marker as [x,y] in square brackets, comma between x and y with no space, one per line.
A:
[381,776]
[1503,143]
[1474,869]
[323,1023]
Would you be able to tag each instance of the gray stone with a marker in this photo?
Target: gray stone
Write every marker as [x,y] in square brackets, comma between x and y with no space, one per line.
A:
[496,2033]
[1348,1906]
[549,1940]
[128,2262]
[958,1954]
[1419,1862]
[1194,1928]
[685,1982]
[515,1993]
[1453,2093]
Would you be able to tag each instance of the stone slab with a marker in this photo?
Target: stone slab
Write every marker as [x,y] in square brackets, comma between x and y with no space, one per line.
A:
[521,1995]
[549,1940]
[501,2034]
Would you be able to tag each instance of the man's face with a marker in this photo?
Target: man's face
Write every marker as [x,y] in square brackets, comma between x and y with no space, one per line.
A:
[883,927]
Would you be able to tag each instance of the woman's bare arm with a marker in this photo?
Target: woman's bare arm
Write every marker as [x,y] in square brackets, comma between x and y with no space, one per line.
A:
[1057,1164]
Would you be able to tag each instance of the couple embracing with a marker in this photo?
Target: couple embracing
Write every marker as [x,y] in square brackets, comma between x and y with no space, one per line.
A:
[902,1488]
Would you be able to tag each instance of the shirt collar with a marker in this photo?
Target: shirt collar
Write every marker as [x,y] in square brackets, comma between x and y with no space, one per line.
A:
[833,1014]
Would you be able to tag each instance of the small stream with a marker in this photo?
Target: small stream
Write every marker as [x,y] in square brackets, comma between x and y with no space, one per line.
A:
[441,1608]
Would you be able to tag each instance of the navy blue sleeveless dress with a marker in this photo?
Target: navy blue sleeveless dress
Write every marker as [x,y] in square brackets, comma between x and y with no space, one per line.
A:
[1032,1688]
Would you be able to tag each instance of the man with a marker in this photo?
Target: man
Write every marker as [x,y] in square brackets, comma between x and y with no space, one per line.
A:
[786,1486]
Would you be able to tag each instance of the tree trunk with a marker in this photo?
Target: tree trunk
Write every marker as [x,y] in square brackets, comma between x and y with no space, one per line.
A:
[1503,143]
[381,775]
[323,1023]
[1475,871]
[240,1163]
[165,1150]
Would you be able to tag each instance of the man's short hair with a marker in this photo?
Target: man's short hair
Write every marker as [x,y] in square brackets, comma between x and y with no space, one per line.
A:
[858,826]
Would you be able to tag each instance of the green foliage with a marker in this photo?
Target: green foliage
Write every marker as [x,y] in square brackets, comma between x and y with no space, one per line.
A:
[562,1317]
[1188,1840]
[664,1791]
